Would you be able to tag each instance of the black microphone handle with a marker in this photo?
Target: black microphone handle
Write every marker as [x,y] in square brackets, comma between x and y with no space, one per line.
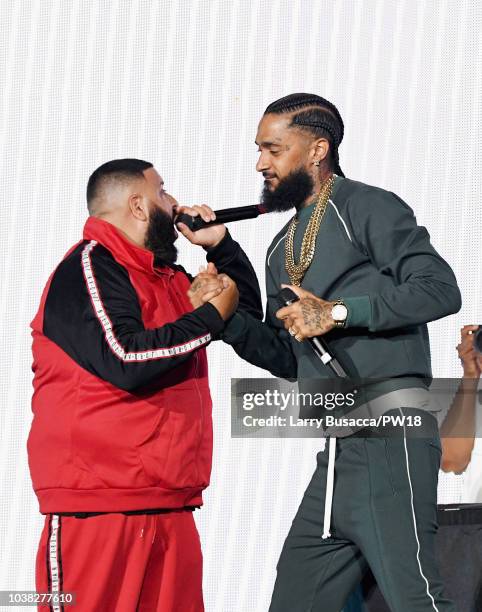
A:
[240,213]
[319,345]
[323,351]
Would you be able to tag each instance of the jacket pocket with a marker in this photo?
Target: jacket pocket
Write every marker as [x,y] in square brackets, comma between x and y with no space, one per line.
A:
[169,453]
[104,454]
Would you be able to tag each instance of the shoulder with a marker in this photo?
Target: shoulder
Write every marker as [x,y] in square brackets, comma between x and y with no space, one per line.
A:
[353,191]
[86,250]
[357,198]
[86,264]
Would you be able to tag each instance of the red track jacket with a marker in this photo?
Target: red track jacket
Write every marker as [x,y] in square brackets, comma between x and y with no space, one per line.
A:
[121,403]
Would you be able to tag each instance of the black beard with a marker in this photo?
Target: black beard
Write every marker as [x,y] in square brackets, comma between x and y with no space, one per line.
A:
[292,191]
[160,238]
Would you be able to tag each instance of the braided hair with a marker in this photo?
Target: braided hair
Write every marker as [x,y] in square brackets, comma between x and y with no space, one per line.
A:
[316,115]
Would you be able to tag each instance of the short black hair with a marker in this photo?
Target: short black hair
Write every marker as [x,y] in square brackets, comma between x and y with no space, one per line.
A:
[115,170]
[316,115]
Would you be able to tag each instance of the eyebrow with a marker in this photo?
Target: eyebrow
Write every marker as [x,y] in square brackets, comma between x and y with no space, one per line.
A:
[268,143]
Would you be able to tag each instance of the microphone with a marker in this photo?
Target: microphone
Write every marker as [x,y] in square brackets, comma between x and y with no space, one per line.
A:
[222,216]
[286,297]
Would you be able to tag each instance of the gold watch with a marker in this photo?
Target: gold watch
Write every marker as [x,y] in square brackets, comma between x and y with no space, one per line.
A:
[339,313]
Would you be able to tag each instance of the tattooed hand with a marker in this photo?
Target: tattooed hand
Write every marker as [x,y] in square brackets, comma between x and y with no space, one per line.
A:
[309,317]
[205,286]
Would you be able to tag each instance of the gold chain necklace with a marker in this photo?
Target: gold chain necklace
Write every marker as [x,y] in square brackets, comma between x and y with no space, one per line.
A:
[296,271]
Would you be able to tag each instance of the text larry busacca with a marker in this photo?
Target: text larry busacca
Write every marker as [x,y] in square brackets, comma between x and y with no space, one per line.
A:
[332,421]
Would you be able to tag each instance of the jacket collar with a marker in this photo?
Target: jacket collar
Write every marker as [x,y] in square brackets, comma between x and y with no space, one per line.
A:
[124,251]
[305,212]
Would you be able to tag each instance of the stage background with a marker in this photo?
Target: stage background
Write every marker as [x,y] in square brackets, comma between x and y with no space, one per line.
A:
[183,84]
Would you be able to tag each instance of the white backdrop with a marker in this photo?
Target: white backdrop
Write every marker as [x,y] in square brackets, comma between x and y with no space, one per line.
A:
[183,84]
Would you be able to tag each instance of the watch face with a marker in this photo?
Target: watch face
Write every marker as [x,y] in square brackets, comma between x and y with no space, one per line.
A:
[339,312]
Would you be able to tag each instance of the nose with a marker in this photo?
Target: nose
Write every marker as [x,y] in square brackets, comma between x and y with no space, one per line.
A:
[263,163]
[170,204]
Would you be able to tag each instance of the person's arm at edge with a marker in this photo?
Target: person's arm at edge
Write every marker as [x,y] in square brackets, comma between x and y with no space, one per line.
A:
[458,429]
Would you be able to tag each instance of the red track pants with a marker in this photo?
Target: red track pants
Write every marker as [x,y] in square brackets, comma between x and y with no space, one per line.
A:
[119,563]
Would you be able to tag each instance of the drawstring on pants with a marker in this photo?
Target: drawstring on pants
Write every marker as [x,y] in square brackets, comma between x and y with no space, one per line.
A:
[330,480]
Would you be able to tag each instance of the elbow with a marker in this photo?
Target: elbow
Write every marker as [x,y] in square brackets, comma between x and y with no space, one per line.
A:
[129,386]
[456,301]
[453,300]
[126,385]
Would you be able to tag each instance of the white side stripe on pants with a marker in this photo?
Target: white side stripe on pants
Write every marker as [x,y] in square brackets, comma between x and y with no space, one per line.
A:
[53,559]
[330,482]
[413,515]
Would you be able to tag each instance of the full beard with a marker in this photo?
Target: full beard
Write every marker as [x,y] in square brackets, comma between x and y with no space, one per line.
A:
[160,238]
[291,192]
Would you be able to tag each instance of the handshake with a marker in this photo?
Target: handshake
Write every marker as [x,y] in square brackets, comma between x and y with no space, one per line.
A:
[217,289]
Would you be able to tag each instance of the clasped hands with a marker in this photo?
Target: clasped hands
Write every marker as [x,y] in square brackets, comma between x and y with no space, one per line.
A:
[217,289]
[207,285]
[308,317]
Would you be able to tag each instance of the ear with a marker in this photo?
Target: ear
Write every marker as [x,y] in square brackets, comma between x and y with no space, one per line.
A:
[138,207]
[319,150]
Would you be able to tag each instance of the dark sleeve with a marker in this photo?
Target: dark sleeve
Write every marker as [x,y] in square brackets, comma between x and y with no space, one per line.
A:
[229,258]
[93,313]
[424,288]
[265,344]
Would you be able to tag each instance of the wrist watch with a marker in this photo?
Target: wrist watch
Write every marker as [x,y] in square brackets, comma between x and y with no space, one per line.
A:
[339,313]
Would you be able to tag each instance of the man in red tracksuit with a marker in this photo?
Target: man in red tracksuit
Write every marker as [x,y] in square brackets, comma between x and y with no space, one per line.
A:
[121,440]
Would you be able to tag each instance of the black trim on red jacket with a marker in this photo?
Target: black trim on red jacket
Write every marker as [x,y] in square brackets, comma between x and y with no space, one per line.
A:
[92,312]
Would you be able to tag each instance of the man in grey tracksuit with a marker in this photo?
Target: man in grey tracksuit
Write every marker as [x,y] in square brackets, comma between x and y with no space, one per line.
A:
[373,260]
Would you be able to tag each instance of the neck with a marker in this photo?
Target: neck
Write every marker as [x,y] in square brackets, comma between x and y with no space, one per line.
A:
[318,182]
[121,227]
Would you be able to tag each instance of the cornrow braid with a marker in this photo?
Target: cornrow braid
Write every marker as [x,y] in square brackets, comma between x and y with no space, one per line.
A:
[315,115]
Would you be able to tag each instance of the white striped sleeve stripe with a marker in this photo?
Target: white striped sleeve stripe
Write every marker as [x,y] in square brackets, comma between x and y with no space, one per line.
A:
[112,342]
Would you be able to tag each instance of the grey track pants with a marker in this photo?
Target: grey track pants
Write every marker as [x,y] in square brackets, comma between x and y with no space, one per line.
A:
[384,516]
